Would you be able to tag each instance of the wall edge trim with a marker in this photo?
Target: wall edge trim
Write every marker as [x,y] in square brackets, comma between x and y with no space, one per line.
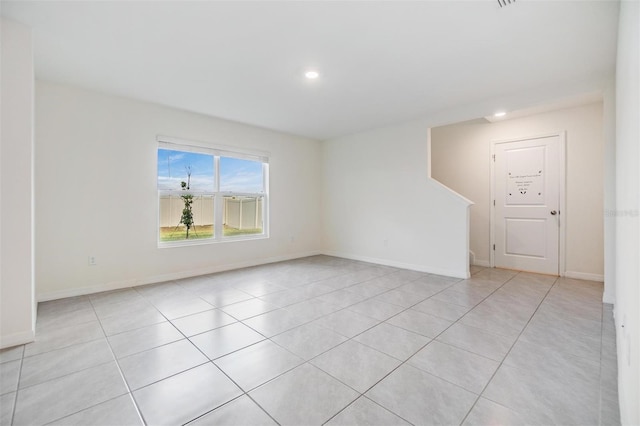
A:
[153,279]
[584,276]
[462,274]
[16,339]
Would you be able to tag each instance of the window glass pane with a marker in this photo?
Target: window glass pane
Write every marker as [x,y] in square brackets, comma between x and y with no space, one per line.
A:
[192,168]
[237,175]
[242,215]
[174,219]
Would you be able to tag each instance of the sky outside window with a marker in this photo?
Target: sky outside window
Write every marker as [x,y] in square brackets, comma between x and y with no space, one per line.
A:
[173,165]
[237,175]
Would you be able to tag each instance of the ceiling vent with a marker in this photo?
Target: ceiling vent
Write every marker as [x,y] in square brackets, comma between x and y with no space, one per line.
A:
[504,3]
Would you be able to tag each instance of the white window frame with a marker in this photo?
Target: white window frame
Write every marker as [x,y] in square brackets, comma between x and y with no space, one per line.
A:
[216,151]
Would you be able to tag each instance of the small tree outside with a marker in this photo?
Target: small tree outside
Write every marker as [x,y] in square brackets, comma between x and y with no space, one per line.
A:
[187,212]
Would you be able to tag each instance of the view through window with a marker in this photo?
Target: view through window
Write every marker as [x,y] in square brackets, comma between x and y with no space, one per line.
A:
[207,194]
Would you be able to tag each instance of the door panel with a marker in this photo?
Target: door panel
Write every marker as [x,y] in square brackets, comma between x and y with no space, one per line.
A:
[526,186]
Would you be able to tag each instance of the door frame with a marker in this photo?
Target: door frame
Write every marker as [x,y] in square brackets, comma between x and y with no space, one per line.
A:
[562,182]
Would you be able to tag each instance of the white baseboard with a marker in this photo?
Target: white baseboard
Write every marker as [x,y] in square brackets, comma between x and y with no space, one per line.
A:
[584,276]
[483,263]
[421,268]
[608,298]
[16,339]
[117,285]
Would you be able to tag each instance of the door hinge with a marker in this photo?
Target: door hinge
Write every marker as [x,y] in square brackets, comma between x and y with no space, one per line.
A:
[494,203]
[494,158]
[494,247]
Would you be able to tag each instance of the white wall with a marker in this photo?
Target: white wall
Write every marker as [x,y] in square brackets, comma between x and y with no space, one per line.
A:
[17,307]
[627,307]
[462,160]
[95,186]
[609,199]
[380,205]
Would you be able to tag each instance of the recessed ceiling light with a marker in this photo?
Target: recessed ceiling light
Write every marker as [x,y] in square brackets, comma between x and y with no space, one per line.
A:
[500,114]
[312,75]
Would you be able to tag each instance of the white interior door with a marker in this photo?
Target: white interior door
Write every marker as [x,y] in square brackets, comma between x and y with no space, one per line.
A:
[527,205]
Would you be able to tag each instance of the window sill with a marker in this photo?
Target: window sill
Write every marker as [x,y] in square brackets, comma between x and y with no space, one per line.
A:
[210,241]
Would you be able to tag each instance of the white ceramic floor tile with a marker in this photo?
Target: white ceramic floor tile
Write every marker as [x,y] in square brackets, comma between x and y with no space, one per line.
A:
[123,307]
[57,338]
[256,364]
[310,396]
[563,340]
[11,354]
[274,322]
[114,296]
[346,323]
[392,340]
[203,321]
[309,340]
[376,309]
[248,308]
[145,338]
[544,400]
[366,412]
[465,369]
[342,298]
[9,374]
[68,394]
[155,364]
[185,396]
[356,365]
[400,298]
[224,297]
[417,322]
[259,289]
[62,306]
[440,309]
[58,363]
[552,363]
[487,412]
[551,374]
[480,342]
[367,289]
[240,411]
[496,319]
[7,402]
[119,411]
[421,398]
[54,319]
[224,340]
[131,320]
[173,308]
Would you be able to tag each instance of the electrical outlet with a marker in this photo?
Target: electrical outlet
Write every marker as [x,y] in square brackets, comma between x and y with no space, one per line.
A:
[385,242]
[92,261]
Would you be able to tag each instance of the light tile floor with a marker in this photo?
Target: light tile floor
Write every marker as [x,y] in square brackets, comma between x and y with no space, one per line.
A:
[321,340]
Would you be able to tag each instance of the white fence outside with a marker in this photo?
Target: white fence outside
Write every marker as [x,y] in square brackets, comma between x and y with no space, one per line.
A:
[237,212]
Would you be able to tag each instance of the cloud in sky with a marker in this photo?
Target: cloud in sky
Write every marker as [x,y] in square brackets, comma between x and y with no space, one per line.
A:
[236,175]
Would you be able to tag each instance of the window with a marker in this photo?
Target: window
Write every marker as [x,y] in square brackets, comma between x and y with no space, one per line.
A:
[208,195]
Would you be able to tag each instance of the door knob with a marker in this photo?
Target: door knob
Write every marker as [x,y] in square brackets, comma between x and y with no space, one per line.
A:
[553,212]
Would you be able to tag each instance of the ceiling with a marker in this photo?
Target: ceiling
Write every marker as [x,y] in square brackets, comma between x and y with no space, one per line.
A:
[380,62]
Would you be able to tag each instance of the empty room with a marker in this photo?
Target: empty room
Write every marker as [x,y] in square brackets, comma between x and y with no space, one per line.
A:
[320,212]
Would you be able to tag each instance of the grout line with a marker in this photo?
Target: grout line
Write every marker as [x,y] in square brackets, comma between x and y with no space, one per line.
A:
[321,268]
[510,349]
[211,361]
[15,397]
[115,358]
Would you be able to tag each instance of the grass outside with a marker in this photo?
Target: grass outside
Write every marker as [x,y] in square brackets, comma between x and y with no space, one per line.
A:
[172,233]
